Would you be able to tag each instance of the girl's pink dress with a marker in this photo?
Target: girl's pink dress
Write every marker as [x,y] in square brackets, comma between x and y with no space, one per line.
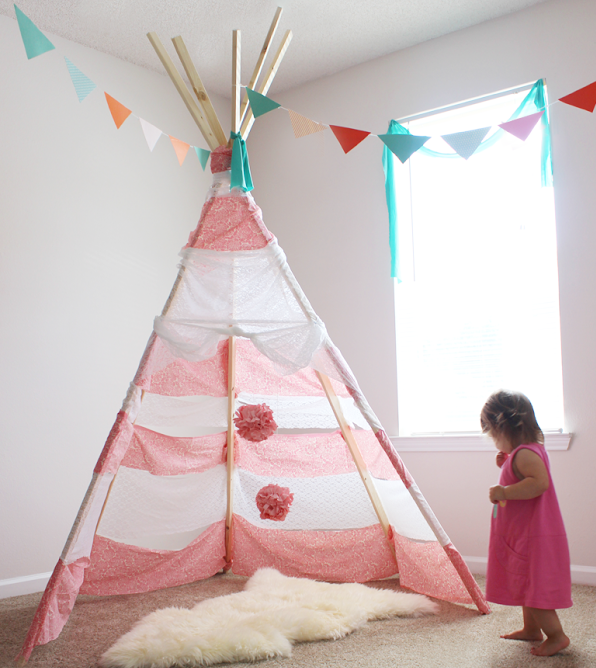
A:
[528,557]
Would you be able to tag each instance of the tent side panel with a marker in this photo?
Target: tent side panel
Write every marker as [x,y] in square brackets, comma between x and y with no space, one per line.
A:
[55,606]
[117,568]
[356,555]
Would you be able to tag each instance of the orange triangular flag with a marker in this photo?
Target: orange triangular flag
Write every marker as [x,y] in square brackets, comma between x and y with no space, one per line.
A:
[584,98]
[119,112]
[180,147]
[303,126]
[348,137]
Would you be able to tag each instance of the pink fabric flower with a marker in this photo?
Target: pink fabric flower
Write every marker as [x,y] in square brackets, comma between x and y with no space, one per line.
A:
[274,502]
[255,422]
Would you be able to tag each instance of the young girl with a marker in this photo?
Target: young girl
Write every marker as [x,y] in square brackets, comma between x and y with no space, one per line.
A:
[528,561]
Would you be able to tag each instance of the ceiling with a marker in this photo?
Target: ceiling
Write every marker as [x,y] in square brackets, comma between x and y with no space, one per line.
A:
[328,35]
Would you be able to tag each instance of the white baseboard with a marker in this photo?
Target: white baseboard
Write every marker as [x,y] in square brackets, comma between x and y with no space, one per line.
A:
[26,584]
[585,575]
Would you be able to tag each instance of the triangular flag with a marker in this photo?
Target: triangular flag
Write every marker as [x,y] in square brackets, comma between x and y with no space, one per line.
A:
[82,83]
[303,126]
[521,127]
[119,112]
[584,98]
[202,155]
[403,146]
[180,147]
[465,143]
[34,40]
[152,134]
[260,104]
[348,137]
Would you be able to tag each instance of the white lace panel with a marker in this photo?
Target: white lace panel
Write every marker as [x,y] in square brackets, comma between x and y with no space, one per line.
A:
[141,504]
[329,503]
[176,541]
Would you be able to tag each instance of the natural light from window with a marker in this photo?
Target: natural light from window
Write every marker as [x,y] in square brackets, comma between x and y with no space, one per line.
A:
[478,305]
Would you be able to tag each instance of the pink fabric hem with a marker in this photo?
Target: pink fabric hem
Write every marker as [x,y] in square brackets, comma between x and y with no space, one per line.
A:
[116,445]
[117,568]
[357,555]
[467,578]
[55,606]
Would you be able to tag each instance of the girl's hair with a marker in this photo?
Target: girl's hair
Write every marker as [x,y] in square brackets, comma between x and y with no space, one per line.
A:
[510,414]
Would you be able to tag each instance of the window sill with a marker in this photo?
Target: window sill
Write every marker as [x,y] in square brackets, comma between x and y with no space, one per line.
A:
[467,443]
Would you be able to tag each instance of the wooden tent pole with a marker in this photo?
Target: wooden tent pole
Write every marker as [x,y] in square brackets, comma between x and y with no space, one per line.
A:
[200,90]
[264,87]
[260,62]
[356,455]
[178,82]
[236,74]
[230,449]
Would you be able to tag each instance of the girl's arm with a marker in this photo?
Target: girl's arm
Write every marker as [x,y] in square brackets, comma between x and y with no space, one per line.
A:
[530,467]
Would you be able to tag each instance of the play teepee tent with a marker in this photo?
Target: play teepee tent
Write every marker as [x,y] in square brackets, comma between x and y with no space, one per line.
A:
[244,440]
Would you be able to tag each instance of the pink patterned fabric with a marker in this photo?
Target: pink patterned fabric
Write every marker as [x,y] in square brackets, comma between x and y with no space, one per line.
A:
[394,458]
[255,374]
[358,555]
[56,605]
[311,455]
[221,159]
[171,455]
[230,224]
[255,422]
[426,568]
[468,579]
[117,568]
[274,502]
[115,446]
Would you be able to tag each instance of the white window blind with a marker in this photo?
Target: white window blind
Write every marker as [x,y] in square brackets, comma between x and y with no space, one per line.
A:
[478,308]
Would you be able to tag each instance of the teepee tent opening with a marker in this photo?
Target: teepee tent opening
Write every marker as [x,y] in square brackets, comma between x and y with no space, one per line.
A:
[244,440]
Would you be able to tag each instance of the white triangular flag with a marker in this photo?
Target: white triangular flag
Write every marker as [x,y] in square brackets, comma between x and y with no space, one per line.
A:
[152,134]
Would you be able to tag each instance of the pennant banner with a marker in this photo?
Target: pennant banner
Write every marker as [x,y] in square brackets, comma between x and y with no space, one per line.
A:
[82,83]
[180,147]
[465,143]
[119,112]
[303,126]
[521,127]
[152,134]
[584,98]
[260,104]
[34,40]
[348,137]
[403,146]
[241,176]
[202,155]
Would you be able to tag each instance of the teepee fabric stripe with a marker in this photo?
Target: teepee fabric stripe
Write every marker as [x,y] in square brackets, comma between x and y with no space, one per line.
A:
[303,126]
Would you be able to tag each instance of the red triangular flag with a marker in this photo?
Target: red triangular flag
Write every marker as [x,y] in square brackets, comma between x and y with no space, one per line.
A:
[348,137]
[180,147]
[584,98]
[521,127]
[119,112]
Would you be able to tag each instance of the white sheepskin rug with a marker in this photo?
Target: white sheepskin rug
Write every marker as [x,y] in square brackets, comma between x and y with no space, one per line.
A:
[261,622]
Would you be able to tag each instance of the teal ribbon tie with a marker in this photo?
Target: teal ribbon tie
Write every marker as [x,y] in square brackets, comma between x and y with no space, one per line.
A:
[241,177]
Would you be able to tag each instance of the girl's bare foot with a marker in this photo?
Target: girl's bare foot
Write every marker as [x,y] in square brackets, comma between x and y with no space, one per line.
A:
[551,645]
[531,636]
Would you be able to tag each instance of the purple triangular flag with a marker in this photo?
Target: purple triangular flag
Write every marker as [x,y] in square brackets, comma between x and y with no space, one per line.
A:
[521,127]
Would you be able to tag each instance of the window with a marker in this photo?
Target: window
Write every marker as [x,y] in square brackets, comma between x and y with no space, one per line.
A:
[477,306]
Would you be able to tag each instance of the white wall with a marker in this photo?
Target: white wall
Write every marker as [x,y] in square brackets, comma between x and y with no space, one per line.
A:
[328,211]
[91,224]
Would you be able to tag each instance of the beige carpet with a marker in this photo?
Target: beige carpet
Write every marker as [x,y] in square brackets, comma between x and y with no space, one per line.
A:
[459,637]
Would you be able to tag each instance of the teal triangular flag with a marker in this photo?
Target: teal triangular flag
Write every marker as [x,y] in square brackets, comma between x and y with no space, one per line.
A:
[403,145]
[260,104]
[34,40]
[82,83]
[240,176]
[465,143]
[202,155]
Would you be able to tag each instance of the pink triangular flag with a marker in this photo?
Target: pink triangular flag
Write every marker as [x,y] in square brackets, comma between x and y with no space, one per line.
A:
[180,147]
[521,127]
[303,126]
[152,134]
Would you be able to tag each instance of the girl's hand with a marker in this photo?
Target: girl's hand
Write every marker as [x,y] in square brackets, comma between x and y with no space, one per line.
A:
[496,494]
[501,458]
